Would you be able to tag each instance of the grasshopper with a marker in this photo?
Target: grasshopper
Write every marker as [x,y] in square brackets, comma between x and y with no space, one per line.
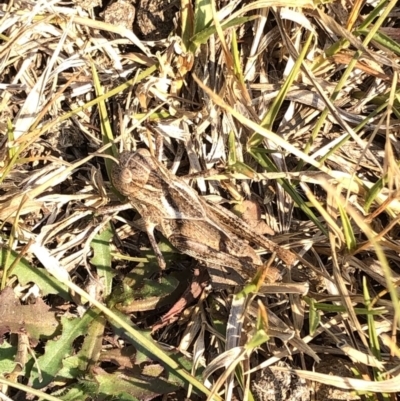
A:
[209,233]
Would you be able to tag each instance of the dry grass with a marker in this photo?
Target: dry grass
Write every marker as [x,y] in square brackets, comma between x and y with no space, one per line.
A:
[297,108]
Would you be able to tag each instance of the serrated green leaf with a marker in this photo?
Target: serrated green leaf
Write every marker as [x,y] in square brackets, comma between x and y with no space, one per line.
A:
[74,393]
[117,384]
[91,348]
[126,397]
[70,368]
[83,390]
[150,296]
[56,350]
[30,274]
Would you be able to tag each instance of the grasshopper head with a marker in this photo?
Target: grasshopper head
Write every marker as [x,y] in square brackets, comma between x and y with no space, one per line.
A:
[132,172]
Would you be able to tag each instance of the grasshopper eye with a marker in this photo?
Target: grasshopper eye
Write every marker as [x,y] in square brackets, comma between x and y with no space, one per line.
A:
[126,176]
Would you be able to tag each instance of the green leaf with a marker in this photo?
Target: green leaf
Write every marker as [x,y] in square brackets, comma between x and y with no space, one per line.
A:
[203,15]
[118,383]
[102,257]
[233,161]
[329,308]
[273,110]
[27,273]
[236,58]
[150,296]
[126,397]
[11,138]
[372,329]
[373,192]
[56,350]
[83,390]
[73,393]
[91,347]
[263,159]
[153,351]
[70,368]
[105,125]
[143,354]
[186,23]
[243,168]
[383,40]
[351,241]
[141,341]
[7,355]
[169,253]
[232,157]
[202,37]
[314,316]
[260,337]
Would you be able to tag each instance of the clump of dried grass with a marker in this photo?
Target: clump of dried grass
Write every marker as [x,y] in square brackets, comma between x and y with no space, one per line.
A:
[290,101]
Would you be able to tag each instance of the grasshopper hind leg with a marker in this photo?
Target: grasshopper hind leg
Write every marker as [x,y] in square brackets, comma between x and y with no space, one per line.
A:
[150,233]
